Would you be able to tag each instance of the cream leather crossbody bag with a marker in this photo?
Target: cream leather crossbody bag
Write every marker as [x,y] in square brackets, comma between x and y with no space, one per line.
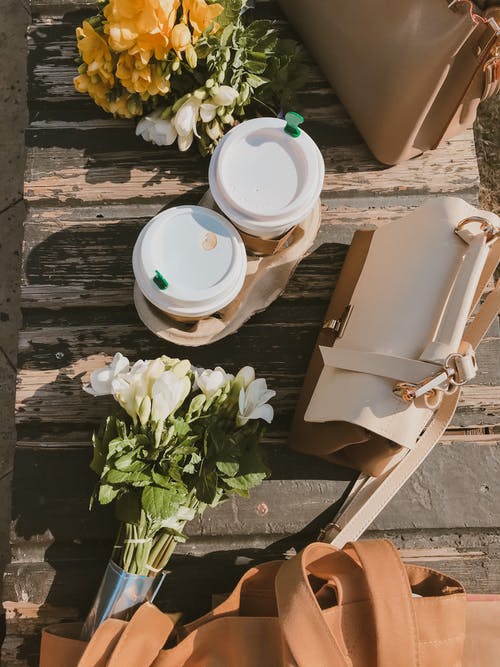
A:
[396,347]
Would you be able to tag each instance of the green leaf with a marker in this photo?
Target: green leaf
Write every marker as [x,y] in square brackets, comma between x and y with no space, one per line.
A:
[159,503]
[228,468]
[226,34]
[255,81]
[231,13]
[107,494]
[99,456]
[128,507]
[206,487]
[130,466]
[122,477]
[246,482]
[101,441]
[182,428]
[161,480]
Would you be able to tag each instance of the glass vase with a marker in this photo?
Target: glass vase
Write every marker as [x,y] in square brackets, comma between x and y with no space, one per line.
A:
[119,595]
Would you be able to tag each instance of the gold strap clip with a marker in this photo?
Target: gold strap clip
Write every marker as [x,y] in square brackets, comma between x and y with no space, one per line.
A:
[486,226]
[458,369]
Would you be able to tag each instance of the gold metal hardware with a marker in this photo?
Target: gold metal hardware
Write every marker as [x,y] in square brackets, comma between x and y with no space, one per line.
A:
[327,529]
[458,369]
[486,226]
[338,325]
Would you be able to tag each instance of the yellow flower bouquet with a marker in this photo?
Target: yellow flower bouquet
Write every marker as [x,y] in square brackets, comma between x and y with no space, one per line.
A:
[188,69]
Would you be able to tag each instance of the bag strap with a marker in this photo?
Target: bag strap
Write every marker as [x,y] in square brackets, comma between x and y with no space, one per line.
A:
[306,632]
[390,597]
[131,644]
[102,643]
[309,637]
[373,496]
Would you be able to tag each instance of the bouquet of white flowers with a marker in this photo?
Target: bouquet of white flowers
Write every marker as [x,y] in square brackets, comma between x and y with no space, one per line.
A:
[184,439]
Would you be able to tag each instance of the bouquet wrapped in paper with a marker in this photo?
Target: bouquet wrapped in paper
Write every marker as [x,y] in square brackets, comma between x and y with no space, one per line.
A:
[188,69]
[183,439]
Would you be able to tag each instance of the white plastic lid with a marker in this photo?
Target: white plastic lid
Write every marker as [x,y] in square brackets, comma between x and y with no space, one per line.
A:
[198,253]
[263,179]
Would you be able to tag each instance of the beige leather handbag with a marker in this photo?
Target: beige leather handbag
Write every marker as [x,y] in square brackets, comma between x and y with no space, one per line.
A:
[359,607]
[409,72]
[395,349]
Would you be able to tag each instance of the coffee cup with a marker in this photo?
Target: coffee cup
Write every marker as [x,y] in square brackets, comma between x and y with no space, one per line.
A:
[266,176]
[190,262]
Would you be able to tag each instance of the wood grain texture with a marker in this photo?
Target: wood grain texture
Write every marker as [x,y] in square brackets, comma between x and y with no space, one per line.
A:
[91,169]
[91,185]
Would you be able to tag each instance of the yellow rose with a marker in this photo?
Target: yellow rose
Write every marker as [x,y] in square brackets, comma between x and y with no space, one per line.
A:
[201,15]
[180,37]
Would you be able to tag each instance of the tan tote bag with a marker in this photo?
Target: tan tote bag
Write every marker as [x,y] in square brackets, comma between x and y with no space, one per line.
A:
[359,607]
[409,72]
[395,349]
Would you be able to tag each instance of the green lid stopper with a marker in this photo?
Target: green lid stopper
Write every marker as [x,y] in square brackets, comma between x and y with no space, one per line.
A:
[293,120]
[160,281]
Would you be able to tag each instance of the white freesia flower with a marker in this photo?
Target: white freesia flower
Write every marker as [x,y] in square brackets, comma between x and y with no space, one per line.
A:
[208,112]
[185,122]
[253,403]
[124,393]
[224,96]
[168,393]
[130,389]
[101,380]
[214,131]
[211,381]
[157,130]
[246,375]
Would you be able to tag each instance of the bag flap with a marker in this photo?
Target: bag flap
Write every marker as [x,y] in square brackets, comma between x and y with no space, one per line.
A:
[397,307]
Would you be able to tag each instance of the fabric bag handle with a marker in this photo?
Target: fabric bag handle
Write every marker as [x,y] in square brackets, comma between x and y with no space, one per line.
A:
[376,493]
[390,597]
[133,644]
[304,626]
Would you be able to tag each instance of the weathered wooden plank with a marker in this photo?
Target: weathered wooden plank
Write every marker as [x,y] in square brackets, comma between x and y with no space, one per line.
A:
[101,173]
[62,6]
[82,256]
[90,265]
[456,487]
[55,395]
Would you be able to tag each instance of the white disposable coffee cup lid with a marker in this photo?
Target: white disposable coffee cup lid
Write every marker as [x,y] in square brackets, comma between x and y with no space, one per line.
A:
[189,261]
[261,177]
